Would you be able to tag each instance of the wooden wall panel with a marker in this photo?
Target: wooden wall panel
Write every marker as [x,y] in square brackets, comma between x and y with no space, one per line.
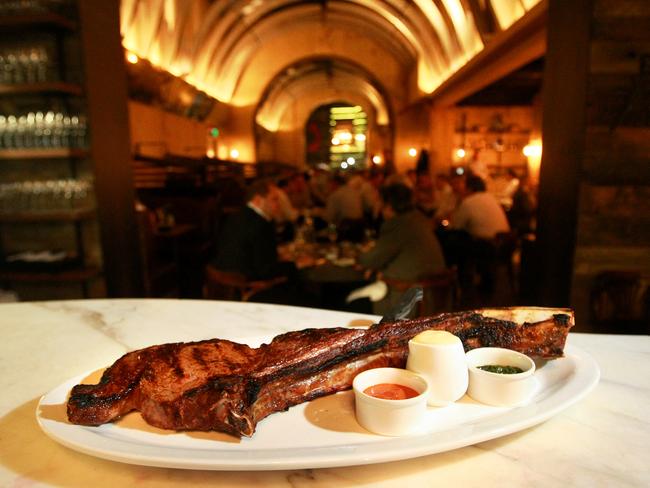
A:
[614,212]
[625,20]
[621,155]
[155,132]
[107,107]
[614,215]
[563,129]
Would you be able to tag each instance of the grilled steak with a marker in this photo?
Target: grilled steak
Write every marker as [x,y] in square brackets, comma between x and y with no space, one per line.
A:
[224,386]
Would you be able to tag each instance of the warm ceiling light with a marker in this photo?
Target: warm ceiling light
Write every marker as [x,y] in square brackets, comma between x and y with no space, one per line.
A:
[376,159]
[460,153]
[132,57]
[413,152]
[234,153]
[533,150]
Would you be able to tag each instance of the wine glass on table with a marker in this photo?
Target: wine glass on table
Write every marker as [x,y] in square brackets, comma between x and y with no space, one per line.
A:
[332,233]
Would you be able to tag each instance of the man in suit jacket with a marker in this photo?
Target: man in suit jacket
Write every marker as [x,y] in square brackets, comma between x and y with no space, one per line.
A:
[247,242]
[247,245]
[407,249]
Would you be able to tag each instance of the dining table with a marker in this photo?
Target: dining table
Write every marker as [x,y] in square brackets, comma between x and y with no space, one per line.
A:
[329,269]
[600,439]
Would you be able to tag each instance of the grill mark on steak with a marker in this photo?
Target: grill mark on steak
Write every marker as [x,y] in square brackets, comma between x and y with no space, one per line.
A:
[229,387]
[198,357]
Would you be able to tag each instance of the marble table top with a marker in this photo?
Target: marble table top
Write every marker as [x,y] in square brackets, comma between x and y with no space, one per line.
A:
[603,440]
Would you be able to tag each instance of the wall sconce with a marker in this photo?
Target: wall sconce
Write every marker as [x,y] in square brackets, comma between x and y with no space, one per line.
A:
[461,153]
[210,153]
[533,152]
[376,159]
[234,153]
[413,152]
[132,57]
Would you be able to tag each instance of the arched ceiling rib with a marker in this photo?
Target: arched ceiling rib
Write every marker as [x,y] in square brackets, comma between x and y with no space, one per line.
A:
[310,40]
[313,82]
[239,44]
[210,44]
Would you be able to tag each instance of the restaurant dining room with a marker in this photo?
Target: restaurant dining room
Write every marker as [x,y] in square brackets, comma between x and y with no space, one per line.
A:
[324,242]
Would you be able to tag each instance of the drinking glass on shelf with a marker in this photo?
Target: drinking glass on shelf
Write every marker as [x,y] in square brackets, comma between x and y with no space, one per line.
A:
[332,233]
[38,64]
[11,67]
[5,68]
[9,125]
[3,131]
[5,197]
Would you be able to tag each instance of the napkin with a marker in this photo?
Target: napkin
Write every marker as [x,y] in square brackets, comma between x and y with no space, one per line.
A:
[374,291]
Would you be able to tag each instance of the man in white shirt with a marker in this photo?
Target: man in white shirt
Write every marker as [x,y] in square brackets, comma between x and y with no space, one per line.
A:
[482,217]
[479,214]
[345,203]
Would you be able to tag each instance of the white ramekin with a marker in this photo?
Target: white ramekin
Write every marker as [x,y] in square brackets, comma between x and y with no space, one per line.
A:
[390,417]
[503,390]
[443,365]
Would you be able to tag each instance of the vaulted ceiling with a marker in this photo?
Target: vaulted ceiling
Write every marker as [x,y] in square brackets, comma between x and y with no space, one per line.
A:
[268,54]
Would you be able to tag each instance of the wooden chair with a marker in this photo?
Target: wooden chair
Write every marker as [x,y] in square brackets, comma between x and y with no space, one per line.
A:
[505,246]
[230,285]
[159,268]
[441,291]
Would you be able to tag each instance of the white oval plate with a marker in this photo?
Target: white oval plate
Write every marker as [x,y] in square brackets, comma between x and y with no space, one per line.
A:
[322,433]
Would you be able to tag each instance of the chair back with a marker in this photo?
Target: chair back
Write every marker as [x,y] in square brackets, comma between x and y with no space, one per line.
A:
[505,244]
[231,285]
[440,291]
[160,272]
[225,285]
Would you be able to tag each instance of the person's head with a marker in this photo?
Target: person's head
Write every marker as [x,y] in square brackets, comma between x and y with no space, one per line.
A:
[397,199]
[355,182]
[297,182]
[458,183]
[423,179]
[475,184]
[265,195]
[376,177]
[398,179]
[412,175]
[338,180]
[441,181]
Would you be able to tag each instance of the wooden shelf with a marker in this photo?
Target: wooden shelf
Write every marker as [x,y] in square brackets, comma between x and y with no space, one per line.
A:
[54,153]
[45,87]
[72,275]
[72,215]
[495,132]
[48,19]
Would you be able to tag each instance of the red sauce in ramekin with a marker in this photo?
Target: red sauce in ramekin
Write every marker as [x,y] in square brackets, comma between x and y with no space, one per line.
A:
[390,391]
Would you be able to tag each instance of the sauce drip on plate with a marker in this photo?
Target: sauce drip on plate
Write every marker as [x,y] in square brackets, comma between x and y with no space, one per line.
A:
[390,391]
